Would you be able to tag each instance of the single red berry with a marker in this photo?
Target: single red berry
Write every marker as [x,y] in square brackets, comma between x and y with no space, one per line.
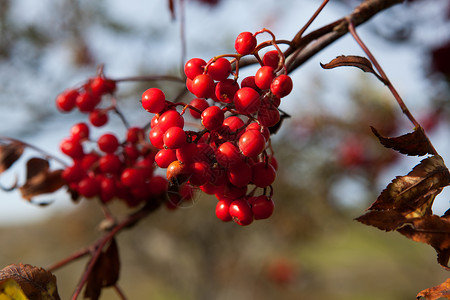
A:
[165,157]
[268,115]
[223,210]
[194,67]
[226,89]
[245,43]
[249,81]
[101,85]
[240,174]
[98,117]
[89,161]
[174,138]
[281,86]
[232,128]
[89,187]
[131,153]
[246,100]
[263,174]
[199,173]
[241,212]
[110,163]
[252,143]
[79,131]
[271,59]
[263,129]
[170,118]
[71,147]
[212,118]
[73,173]
[177,173]
[234,192]
[264,77]
[204,153]
[86,101]
[220,69]
[108,143]
[135,134]
[156,136]
[187,153]
[228,154]
[262,207]
[200,104]
[108,189]
[65,101]
[153,100]
[158,185]
[132,177]
[203,86]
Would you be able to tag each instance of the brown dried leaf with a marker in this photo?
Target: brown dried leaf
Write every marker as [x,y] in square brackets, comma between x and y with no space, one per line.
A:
[105,272]
[414,143]
[352,61]
[386,220]
[432,230]
[40,180]
[411,192]
[35,282]
[436,292]
[9,154]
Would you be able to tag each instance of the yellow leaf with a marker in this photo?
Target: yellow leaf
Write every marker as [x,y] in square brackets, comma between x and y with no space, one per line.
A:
[10,290]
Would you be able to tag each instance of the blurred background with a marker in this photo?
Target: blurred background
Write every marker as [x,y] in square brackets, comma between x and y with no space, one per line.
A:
[331,167]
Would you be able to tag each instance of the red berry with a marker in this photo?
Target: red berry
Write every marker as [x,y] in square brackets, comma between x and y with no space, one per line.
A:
[268,115]
[177,172]
[174,138]
[71,147]
[199,173]
[271,59]
[100,85]
[223,210]
[169,119]
[156,136]
[226,89]
[212,118]
[241,212]
[228,154]
[73,173]
[86,101]
[255,126]
[240,174]
[158,185]
[98,117]
[203,86]
[187,153]
[232,128]
[219,69]
[263,174]
[135,134]
[89,187]
[108,143]
[108,189]
[252,143]
[200,104]
[262,207]
[132,177]
[65,101]
[281,86]
[249,81]
[264,77]
[245,43]
[153,100]
[194,67]
[79,131]
[165,157]
[246,100]
[89,161]
[110,163]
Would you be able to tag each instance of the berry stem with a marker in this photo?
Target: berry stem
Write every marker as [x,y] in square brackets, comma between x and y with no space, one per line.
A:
[388,83]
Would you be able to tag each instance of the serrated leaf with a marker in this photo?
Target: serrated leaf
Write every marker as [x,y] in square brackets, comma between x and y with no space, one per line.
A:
[432,230]
[40,180]
[10,290]
[436,292]
[352,61]
[411,192]
[414,143]
[9,154]
[105,272]
[36,283]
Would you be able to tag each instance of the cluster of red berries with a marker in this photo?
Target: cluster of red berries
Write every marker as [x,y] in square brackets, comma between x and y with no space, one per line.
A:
[230,152]
[87,98]
[227,155]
